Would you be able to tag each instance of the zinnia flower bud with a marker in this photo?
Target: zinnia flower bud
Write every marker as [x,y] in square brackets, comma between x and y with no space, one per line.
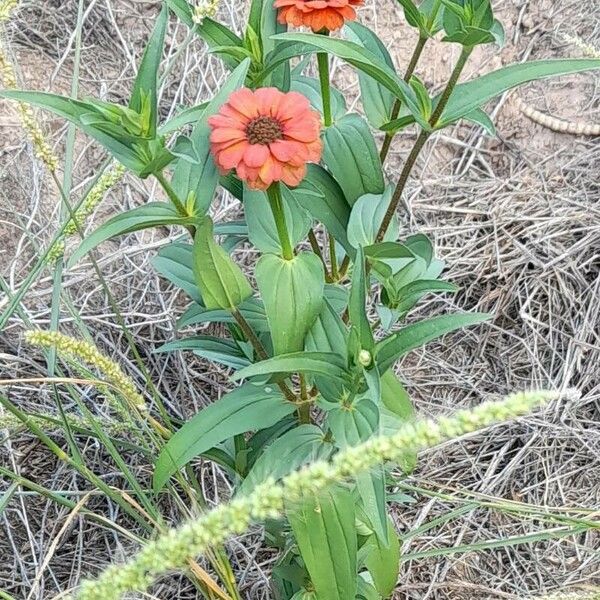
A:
[319,15]
[266,136]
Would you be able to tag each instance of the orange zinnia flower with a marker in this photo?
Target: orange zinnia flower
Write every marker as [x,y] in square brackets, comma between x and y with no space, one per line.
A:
[317,14]
[266,136]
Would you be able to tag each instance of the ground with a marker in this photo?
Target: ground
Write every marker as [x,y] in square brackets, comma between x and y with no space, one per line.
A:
[517,220]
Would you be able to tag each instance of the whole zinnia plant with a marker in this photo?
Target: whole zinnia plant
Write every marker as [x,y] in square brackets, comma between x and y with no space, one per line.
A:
[317,367]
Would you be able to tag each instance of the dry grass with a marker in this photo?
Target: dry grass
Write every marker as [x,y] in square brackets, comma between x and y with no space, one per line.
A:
[518,221]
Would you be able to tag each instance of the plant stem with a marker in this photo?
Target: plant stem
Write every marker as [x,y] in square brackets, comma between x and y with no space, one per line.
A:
[173,197]
[458,69]
[304,406]
[259,348]
[423,137]
[335,275]
[314,244]
[274,195]
[387,142]
[323,62]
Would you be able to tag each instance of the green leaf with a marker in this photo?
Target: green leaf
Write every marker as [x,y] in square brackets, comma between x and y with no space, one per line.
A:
[328,333]
[310,87]
[246,408]
[219,350]
[382,250]
[326,534]
[175,263]
[183,118]
[383,562]
[153,214]
[252,310]
[292,291]
[396,409]
[296,44]
[365,220]
[365,590]
[410,294]
[412,336]
[263,21]
[475,93]
[351,425]
[144,96]
[337,295]
[395,399]
[221,282]
[321,196]
[327,364]
[202,179]
[376,99]
[354,423]
[76,111]
[412,15]
[350,153]
[295,448]
[480,117]
[262,230]
[357,303]
[213,33]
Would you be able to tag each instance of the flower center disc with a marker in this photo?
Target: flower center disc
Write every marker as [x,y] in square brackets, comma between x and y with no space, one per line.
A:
[264,130]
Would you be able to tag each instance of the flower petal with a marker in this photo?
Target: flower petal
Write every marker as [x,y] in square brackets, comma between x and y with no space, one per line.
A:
[256,155]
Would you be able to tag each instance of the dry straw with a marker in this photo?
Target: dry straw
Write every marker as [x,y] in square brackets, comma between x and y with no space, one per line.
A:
[173,549]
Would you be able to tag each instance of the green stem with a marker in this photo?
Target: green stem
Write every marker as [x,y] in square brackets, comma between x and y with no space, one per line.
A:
[423,137]
[173,197]
[274,195]
[323,62]
[314,244]
[304,406]
[335,275]
[387,142]
[259,349]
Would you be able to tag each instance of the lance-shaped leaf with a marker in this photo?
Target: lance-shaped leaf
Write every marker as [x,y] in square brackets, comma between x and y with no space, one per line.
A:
[175,262]
[219,350]
[121,145]
[322,197]
[246,408]
[357,304]
[153,214]
[144,97]
[365,220]
[326,534]
[252,310]
[475,93]
[292,292]
[212,32]
[376,99]
[352,424]
[301,445]
[297,44]
[389,350]
[327,364]
[350,153]
[221,282]
[383,562]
